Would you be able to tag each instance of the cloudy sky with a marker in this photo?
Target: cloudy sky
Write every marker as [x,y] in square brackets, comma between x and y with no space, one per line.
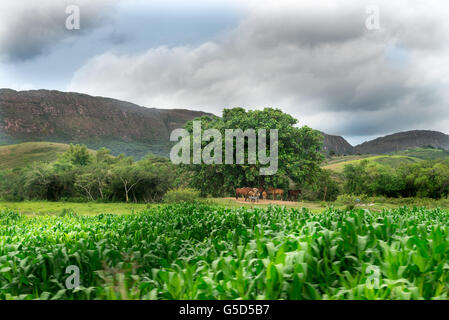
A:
[325,62]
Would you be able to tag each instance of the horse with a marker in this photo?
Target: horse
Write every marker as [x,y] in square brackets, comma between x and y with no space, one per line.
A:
[264,195]
[275,192]
[254,195]
[242,192]
[293,195]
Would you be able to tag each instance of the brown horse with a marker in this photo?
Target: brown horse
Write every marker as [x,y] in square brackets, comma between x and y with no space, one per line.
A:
[275,192]
[242,192]
[293,195]
[254,195]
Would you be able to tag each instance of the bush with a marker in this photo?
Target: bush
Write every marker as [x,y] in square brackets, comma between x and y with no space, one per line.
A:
[181,195]
[325,188]
[350,199]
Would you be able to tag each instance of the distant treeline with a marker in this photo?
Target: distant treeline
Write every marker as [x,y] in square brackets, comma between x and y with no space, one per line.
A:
[80,175]
[424,179]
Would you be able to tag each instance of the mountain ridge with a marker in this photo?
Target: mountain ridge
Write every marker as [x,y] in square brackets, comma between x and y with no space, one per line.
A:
[124,127]
[336,145]
[387,144]
[404,140]
[49,115]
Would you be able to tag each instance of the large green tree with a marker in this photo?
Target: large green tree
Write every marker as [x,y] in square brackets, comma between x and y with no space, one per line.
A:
[299,153]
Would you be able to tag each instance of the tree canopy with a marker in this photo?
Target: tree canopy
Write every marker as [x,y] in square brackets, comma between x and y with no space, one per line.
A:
[299,153]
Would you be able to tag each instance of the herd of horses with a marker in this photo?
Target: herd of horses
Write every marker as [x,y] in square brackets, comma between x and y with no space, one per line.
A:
[254,194]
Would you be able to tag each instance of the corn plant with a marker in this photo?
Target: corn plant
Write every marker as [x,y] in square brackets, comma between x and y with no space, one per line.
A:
[199,251]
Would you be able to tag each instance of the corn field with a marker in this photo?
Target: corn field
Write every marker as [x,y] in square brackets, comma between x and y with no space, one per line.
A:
[200,251]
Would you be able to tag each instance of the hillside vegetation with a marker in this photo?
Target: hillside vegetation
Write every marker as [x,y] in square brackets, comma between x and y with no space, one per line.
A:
[393,161]
[424,153]
[20,155]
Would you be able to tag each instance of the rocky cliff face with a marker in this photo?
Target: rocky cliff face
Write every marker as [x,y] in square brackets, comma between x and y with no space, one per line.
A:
[403,141]
[391,143]
[72,117]
[336,145]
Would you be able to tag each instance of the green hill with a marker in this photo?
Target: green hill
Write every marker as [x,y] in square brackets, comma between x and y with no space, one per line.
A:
[393,160]
[19,155]
[384,160]
[425,153]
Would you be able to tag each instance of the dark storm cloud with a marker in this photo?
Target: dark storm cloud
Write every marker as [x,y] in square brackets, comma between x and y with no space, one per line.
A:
[31,28]
[307,26]
[394,120]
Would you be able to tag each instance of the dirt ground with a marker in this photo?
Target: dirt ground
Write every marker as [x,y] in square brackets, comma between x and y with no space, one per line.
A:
[261,201]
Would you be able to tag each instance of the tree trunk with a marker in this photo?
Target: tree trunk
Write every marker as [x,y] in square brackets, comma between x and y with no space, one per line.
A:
[325,192]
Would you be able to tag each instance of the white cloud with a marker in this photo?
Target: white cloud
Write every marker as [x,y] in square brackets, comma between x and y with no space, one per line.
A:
[302,57]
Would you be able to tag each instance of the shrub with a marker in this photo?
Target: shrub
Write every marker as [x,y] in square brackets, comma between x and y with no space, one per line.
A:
[325,188]
[181,195]
[351,199]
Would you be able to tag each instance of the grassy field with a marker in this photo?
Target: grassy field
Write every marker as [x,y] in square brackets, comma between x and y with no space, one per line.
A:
[199,251]
[338,159]
[385,160]
[41,208]
[231,203]
[55,208]
[371,203]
